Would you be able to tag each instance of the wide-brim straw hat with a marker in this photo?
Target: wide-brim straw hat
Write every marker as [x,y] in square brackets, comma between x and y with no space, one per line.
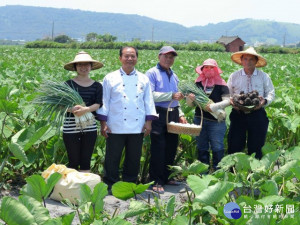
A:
[83,57]
[236,57]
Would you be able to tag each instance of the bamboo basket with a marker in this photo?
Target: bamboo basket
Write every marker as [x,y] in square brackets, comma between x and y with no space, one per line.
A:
[177,128]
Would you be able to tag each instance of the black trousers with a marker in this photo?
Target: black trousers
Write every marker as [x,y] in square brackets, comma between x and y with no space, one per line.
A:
[163,146]
[251,128]
[80,147]
[115,143]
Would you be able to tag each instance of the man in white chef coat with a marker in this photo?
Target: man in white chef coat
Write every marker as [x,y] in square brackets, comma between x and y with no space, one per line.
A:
[126,115]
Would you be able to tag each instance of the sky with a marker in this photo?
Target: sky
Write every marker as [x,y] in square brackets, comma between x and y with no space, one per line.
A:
[185,12]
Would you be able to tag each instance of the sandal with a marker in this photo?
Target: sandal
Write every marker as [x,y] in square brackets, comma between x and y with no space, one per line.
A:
[173,182]
[158,189]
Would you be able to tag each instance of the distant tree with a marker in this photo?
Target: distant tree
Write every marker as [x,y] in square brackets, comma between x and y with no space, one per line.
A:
[106,38]
[91,37]
[63,39]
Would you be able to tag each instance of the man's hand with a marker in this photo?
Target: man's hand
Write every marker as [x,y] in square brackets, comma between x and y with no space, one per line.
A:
[177,96]
[182,119]
[262,102]
[147,127]
[104,129]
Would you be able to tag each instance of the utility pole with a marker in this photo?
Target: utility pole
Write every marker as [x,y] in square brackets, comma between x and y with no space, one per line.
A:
[52,35]
[283,44]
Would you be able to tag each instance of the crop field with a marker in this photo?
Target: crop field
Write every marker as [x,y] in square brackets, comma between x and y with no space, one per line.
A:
[28,144]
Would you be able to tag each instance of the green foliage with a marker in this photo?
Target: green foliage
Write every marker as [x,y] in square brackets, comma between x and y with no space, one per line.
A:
[38,189]
[126,190]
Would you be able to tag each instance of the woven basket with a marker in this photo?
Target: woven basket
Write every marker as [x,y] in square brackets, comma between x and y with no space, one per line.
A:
[177,128]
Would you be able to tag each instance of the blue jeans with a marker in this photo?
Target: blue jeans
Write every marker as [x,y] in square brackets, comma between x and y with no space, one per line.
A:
[211,136]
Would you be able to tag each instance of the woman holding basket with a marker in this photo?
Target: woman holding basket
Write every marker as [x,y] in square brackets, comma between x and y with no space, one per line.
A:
[213,130]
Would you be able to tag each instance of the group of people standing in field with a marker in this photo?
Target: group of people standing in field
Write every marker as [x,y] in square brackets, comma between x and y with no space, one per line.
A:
[131,105]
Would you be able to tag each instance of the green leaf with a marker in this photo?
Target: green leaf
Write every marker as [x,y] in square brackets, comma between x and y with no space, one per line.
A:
[85,193]
[198,184]
[36,136]
[182,220]
[268,147]
[170,206]
[5,92]
[126,190]
[100,191]
[8,107]
[285,171]
[35,187]
[215,193]
[52,180]
[211,210]
[269,159]
[135,208]
[117,221]
[68,218]
[271,200]
[15,213]
[18,152]
[197,167]
[40,213]
[269,187]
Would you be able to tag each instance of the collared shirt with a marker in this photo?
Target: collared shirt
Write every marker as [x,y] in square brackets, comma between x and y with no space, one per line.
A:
[163,81]
[127,102]
[259,81]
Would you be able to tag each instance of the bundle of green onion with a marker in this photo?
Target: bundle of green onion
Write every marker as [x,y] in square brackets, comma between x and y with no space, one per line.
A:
[188,87]
[56,99]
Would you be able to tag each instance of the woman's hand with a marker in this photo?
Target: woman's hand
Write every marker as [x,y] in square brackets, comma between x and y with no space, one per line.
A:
[79,110]
[192,96]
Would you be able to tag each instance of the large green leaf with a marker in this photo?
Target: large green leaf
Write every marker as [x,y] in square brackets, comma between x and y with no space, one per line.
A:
[5,92]
[18,152]
[269,159]
[269,187]
[39,212]
[35,187]
[197,167]
[126,190]
[215,193]
[8,107]
[85,193]
[15,213]
[198,184]
[285,171]
[271,200]
[52,180]
[38,134]
[100,191]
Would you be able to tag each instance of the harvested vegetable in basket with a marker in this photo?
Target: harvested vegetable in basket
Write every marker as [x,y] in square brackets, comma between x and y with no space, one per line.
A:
[55,99]
[187,87]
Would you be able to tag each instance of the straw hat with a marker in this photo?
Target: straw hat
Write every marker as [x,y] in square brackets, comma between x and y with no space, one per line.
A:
[236,57]
[83,57]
